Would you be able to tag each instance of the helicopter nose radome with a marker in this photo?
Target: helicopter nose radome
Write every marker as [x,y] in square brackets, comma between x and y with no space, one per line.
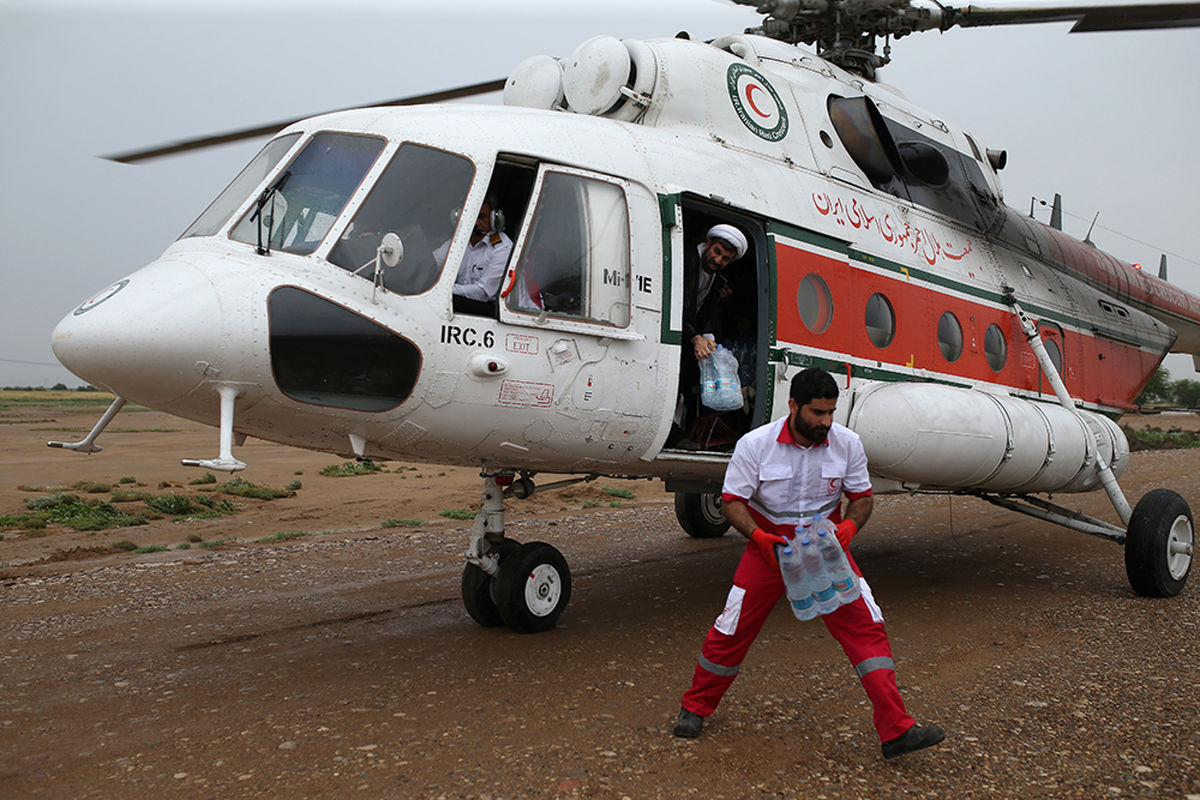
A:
[142,337]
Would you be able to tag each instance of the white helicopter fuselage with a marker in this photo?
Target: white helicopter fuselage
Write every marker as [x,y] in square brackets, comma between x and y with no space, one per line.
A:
[740,130]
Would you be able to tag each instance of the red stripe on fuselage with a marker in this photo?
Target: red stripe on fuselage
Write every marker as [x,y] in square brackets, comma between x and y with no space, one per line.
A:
[1094,370]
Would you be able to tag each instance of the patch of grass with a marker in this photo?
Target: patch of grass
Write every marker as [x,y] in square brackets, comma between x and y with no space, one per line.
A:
[614,503]
[608,490]
[224,505]
[349,469]
[151,548]
[294,486]
[127,479]
[396,523]
[125,545]
[35,521]
[50,501]
[195,538]
[173,504]
[212,543]
[1152,438]
[69,510]
[283,536]
[92,487]
[203,480]
[127,496]
[183,546]
[240,487]
[98,517]
[457,513]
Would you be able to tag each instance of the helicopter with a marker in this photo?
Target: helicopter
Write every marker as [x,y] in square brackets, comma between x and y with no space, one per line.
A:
[979,352]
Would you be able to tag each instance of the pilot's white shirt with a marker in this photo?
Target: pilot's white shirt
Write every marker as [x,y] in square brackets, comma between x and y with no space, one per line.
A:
[787,483]
[482,266]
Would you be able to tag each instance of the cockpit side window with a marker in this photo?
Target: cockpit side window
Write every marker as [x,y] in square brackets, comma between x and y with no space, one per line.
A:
[221,209]
[419,197]
[908,164]
[300,207]
[575,259]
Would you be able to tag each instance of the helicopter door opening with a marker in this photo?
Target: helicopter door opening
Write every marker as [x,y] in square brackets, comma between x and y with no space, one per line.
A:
[506,200]
[728,306]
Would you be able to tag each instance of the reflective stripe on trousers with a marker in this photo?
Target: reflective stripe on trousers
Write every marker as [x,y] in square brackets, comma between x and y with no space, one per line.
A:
[857,627]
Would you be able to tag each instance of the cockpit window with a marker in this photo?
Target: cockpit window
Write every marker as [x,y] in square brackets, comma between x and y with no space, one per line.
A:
[419,197]
[299,208]
[908,164]
[217,214]
[575,260]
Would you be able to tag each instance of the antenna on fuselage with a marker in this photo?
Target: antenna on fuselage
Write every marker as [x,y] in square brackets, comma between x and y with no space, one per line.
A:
[1056,212]
[1162,267]
[1088,239]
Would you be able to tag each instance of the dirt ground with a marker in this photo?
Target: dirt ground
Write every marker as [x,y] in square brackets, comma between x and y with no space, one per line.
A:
[340,662]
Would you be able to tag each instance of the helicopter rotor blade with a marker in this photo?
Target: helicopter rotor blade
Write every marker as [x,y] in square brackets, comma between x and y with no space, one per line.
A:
[201,142]
[1087,19]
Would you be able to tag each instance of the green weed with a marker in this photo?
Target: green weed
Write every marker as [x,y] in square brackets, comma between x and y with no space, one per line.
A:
[457,513]
[349,469]
[240,487]
[284,536]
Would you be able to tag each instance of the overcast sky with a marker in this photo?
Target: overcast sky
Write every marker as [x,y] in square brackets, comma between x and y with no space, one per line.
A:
[1108,120]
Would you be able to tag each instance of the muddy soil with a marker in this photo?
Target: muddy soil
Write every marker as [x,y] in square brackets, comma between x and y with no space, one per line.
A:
[340,662]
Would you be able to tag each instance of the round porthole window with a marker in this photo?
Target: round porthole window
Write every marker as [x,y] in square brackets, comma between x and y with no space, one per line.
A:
[815,303]
[995,348]
[1055,353]
[881,320]
[950,337]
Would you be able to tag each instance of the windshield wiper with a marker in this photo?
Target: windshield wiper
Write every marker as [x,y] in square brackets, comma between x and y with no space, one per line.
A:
[268,194]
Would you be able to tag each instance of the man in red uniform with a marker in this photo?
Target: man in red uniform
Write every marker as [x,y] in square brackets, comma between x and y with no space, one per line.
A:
[780,476]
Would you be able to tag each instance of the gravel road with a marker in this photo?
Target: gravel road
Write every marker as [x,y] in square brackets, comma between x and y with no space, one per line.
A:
[343,665]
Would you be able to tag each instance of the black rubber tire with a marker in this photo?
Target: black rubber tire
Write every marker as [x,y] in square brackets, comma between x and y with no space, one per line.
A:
[700,515]
[477,597]
[533,588]
[1160,519]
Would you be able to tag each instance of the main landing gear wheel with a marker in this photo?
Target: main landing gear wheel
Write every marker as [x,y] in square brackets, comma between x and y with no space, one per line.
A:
[1159,544]
[479,588]
[700,515]
[533,587]
[477,597]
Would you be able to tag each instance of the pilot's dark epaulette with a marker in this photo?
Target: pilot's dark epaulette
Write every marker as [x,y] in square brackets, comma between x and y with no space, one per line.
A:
[495,238]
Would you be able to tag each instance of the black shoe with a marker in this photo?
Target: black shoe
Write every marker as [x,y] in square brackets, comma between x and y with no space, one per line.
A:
[687,724]
[915,738]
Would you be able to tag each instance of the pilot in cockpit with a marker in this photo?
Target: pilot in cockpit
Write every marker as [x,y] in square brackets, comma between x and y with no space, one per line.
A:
[482,269]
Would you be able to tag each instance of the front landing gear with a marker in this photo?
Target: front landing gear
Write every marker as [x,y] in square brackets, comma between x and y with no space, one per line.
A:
[524,586]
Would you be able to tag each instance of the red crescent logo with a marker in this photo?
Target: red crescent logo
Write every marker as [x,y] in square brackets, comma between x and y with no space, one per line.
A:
[750,87]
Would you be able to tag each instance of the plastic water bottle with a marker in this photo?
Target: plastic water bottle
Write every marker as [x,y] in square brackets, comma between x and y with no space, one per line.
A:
[845,585]
[824,596]
[795,580]
[720,388]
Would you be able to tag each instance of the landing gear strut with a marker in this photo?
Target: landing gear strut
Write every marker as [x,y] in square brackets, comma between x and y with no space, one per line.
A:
[524,586]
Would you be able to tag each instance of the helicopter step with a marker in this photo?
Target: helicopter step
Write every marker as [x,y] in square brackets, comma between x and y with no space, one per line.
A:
[525,586]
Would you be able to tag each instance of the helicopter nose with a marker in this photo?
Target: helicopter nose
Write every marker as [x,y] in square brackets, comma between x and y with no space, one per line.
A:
[143,337]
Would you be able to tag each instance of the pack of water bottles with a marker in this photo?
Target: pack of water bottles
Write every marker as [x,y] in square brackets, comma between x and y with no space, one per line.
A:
[720,388]
[816,572]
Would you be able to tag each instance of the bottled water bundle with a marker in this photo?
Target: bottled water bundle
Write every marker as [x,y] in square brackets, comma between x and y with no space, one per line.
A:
[720,388]
[816,573]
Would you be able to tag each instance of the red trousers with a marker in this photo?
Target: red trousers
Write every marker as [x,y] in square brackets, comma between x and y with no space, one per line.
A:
[857,627]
